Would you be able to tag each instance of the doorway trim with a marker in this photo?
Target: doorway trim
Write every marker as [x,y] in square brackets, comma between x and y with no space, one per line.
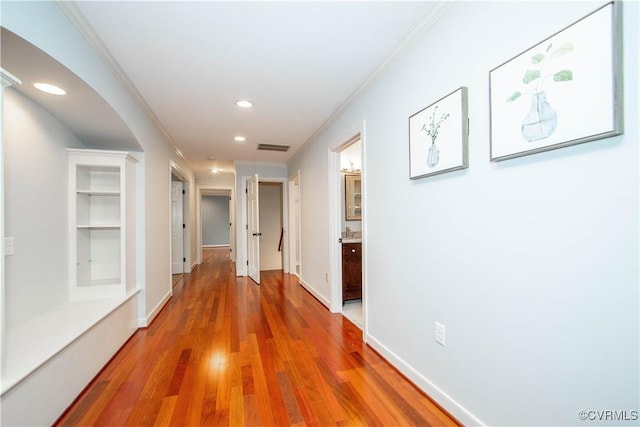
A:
[176,170]
[335,223]
[205,190]
[294,240]
[241,265]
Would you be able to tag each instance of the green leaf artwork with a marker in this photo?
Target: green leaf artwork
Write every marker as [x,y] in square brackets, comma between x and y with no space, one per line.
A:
[541,120]
[536,75]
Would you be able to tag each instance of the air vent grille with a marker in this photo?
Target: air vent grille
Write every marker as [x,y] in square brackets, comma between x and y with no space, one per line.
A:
[273,147]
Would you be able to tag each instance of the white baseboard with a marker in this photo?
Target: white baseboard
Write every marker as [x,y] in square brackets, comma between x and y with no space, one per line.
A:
[315,293]
[143,322]
[442,398]
[216,246]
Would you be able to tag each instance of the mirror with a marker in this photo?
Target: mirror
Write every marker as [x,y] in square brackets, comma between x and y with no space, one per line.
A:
[353,197]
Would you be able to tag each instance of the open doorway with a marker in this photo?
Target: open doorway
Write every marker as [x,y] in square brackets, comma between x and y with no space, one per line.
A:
[271,226]
[179,230]
[347,218]
[215,211]
[351,230]
[257,230]
[222,193]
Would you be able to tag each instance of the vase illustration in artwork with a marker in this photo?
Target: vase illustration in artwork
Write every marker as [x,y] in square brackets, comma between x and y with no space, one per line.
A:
[433,154]
[541,120]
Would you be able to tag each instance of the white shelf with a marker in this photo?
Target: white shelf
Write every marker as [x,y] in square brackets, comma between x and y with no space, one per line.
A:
[101,223]
[99,193]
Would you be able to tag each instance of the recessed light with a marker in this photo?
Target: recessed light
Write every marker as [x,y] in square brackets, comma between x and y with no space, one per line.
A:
[215,170]
[239,138]
[49,88]
[243,103]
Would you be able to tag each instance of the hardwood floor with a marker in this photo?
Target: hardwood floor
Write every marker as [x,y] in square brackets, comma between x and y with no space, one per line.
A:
[227,352]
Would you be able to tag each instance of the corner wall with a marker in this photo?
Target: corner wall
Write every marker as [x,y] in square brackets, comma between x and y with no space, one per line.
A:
[531,264]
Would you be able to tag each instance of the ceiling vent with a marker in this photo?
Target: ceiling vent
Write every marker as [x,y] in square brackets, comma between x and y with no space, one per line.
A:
[273,147]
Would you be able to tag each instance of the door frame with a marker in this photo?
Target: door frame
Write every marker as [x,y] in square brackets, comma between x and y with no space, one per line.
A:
[335,223]
[241,265]
[205,190]
[176,214]
[174,169]
[294,240]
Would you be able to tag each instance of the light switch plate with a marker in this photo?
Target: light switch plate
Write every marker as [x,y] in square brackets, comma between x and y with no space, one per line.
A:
[9,246]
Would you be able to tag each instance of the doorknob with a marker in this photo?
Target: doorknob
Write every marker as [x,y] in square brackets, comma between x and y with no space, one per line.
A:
[257,234]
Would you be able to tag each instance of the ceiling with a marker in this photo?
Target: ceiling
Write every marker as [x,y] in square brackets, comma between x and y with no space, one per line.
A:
[82,110]
[299,63]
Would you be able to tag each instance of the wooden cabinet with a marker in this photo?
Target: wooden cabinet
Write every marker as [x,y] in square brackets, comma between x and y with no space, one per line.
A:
[353,197]
[351,271]
[101,223]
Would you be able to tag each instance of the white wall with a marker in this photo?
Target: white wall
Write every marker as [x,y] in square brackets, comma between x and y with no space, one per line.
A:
[215,220]
[35,215]
[270,217]
[531,264]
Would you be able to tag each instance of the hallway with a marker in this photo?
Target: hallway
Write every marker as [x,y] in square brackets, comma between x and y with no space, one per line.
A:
[227,352]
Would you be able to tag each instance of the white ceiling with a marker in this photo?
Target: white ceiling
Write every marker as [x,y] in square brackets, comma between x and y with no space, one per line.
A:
[82,110]
[299,62]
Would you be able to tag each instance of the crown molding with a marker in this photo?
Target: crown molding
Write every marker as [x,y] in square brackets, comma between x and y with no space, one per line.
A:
[89,33]
[413,35]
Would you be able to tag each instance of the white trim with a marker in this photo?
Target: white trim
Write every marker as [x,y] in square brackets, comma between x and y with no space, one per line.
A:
[216,246]
[241,264]
[84,27]
[335,222]
[174,168]
[203,190]
[144,322]
[447,402]
[335,225]
[294,212]
[313,292]
[9,79]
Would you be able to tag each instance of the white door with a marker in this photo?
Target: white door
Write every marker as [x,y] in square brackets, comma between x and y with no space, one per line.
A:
[177,233]
[253,229]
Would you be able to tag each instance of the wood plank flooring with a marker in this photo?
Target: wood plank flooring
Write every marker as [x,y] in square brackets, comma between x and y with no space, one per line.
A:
[226,352]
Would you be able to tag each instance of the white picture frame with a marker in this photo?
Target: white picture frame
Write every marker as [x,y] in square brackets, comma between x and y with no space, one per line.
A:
[565,90]
[439,136]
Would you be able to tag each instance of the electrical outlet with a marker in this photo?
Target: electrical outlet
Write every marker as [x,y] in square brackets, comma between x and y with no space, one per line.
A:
[440,334]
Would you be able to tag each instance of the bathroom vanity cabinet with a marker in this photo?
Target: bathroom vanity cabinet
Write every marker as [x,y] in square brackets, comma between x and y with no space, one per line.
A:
[351,271]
